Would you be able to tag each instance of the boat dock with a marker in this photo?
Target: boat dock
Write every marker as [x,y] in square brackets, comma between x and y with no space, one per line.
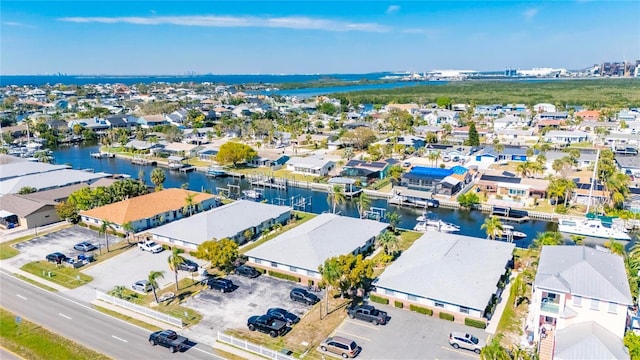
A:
[102,155]
[266,181]
[187,169]
[142,161]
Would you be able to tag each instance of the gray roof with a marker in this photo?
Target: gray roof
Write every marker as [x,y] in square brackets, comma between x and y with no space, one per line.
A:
[310,162]
[308,245]
[629,162]
[15,168]
[222,222]
[49,180]
[566,133]
[57,194]
[21,205]
[473,267]
[583,271]
[588,341]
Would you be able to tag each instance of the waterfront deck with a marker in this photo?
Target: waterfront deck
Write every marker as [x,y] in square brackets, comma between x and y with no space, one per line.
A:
[143,161]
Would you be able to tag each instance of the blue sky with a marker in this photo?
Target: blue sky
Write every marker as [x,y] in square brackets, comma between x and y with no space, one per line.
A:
[224,37]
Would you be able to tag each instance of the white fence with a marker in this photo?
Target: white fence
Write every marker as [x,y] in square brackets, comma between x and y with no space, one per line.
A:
[139,309]
[251,347]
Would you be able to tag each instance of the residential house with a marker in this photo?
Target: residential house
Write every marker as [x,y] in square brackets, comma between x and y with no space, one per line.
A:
[121,121]
[300,251]
[461,134]
[628,164]
[544,107]
[510,121]
[577,285]
[29,212]
[587,341]
[549,124]
[516,136]
[582,192]
[441,117]
[150,210]
[475,268]
[407,141]
[365,171]
[432,180]
[632,202]
[488,111]
[586,159]
[234,221]
[181,149]
[13,167]
[555,115]
[149,121]
[316,165]
[507,185]
[562,137]
[49,180]
[410,108]
[587,115]
[628,115]
[177,117]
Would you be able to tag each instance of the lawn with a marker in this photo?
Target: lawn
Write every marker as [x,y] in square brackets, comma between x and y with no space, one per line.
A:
[301,217]
[36,283]
[406,238]
[62,275]
[32,341]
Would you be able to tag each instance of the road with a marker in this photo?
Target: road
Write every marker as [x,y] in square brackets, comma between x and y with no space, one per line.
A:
[82,324]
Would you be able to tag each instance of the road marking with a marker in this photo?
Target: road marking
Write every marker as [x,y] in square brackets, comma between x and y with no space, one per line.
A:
[21,297]
[208,353]
[367,325]
[354,335]
[117,338]
[64,316]
[474,356]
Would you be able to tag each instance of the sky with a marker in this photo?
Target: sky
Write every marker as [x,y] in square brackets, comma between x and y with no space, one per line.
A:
[307,37]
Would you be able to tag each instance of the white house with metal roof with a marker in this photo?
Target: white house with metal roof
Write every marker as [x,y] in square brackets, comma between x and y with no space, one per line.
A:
[49,180]
[301,250]
[588,341]
[226,221]
[311,165]
[579,284]
[13,167]
[447,273]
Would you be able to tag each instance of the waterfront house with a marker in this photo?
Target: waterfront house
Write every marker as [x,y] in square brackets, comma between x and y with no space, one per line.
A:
[121,121]
[562,137]
[181,149]
[300,251]
[578,286]
[432,180]
[234,221]
[508,187]
[632,202]
[474,268]
[582,192]
[150,210]
[316,165]
[365,171]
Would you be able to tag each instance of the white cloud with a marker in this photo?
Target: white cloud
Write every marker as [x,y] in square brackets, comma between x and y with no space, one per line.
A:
[18,24]
[431,33]
[392,9]
[529,14]
[292,22]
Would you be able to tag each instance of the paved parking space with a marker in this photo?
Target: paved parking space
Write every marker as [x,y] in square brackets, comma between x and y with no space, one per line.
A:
[223,311]
[408,335]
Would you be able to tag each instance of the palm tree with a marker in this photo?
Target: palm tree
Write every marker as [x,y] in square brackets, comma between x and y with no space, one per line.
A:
[118,291]
[153,281]
[493,227]
[577,239]
[364,202]
[104,230]
[434,156]
[524,168]
[558,165]
[388,242]
[157,178]
[546,239]
[129,229]
[141,176]
[174,260]
[615,247]
[518,289]
[336,196]
[394,220]
[188,207]
[331,277]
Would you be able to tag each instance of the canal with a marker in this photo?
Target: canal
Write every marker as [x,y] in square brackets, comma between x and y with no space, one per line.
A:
[302,199]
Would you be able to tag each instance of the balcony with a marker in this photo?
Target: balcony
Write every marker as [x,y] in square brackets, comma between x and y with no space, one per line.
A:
[550,307]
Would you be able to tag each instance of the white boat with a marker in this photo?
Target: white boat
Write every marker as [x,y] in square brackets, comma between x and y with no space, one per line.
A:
[509,233]
[252,194]
[594,228]
[216,171]
[436,225]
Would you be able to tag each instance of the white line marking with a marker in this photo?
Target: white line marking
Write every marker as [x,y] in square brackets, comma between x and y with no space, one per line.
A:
[117,338]
[460,352]
[64,316]
[21,297]
[208,353]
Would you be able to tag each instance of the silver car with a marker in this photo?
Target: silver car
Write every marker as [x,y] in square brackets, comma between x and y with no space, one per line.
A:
[465,341]
[142,286]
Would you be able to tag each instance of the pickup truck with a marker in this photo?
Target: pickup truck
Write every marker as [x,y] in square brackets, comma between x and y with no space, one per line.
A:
[150,246]
[367,313]
[169,339]
[267,324]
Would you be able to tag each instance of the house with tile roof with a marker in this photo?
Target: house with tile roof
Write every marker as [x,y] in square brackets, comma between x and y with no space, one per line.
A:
[149,210]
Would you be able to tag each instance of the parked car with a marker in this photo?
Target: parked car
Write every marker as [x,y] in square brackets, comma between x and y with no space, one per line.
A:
[284,315]
[188,265]
[142,286]
[150,246]
[222,285]
[367,313]
[85,246]
[465,341]
[56,257]
[303,296]
[344,347]
[248,271]
[267,324]
[169,339]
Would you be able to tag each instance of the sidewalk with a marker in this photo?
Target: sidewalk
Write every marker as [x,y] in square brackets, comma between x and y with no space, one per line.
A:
[497,315]
[5,266]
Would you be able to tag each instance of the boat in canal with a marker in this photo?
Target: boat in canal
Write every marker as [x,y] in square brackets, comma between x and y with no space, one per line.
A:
[215,171]
[429,222]
[252,194]
[595,226]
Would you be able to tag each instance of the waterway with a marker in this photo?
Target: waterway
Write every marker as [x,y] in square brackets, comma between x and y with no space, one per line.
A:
[315,201]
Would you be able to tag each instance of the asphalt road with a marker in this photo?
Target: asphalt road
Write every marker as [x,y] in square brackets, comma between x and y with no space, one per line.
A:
[112,337]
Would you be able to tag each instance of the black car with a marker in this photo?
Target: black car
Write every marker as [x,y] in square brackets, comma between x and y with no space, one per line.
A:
[56,257]
[222,285]
[188,265]
[85,246]
[248,271]
[284,315]
[303,296]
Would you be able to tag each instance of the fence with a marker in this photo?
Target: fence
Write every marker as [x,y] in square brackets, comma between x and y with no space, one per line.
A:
[139,309]
[251,347]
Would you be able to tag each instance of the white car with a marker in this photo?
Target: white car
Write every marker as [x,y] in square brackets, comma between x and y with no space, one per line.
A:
[460,340]
[142,286]
[150,246]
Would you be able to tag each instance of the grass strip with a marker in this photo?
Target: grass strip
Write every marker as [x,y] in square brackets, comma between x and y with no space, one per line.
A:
[62,275]
[126,318]
[36,283]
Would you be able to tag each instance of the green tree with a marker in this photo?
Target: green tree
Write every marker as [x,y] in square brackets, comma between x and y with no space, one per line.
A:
[346,272]
[221,253]
[27,190]
[158,177]
[518,289]
[547,238]
[187,209]
[234,153]
[468,200]
[434,156]
[615,247]
[174,260]
[493,227]
[525,168]
[389,242]
[494,351]
[474,138]
[129,229]
[67,211]
[364,203]
[444,102]
[105,227]
[336,196]
[632,342]
[394,219]
[395,172]
[153,281]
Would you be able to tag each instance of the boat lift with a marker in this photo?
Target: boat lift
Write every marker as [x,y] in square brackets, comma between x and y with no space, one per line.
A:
[374,213]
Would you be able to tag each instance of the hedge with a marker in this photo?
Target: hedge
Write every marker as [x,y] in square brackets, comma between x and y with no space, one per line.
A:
[475,323]
[446,316]
[399,304]
[381,183]
[378,299]
[421,310]
[279,275]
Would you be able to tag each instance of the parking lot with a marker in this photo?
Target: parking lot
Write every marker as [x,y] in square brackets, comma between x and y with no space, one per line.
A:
[223,311]
[408,335]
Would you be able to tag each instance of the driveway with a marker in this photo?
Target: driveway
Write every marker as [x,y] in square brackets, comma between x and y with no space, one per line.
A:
[408,335]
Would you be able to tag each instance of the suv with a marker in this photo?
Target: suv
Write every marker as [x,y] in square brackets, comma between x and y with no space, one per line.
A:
[142,286]
[222,285]
[342,346]
[465,341]
[188,265]
[303,296]
[284,315]
[56,257]
[85,246]
[248,271]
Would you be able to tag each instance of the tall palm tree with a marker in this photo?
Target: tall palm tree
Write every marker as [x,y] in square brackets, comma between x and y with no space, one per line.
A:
[104,230]
[336,196]
[364,202]
[434,156]
[153,281]
[388,242]
[331,277]
[394,220]
[525,168]
[128,227]
[188,204]
[174,260]
[547,238]
[158,177]
[493,227]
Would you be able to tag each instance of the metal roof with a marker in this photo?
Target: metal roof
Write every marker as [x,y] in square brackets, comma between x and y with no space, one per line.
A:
[588,341]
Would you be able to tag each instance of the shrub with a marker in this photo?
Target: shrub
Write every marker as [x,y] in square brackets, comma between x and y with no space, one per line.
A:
[421,310]
[398,304]
[381,183]
[280,275]
[446,316]
[475,323]
[378,299]
[166,247]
